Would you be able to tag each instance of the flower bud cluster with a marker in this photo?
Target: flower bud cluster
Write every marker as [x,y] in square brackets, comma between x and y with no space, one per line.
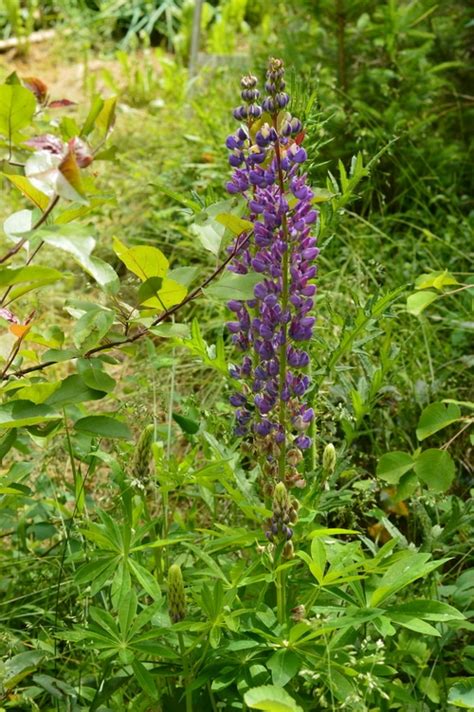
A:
[285,513]
[271,329]
[176,594]
[140,469]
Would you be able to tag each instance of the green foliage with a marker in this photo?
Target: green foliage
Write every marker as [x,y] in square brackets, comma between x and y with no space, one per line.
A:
[118,464]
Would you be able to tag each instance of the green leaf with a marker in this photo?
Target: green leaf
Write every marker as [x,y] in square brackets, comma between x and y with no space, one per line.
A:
[438,280]
[79,243]
[17,106]
[33,275]
[417,302]
[270,698]
[436,469]
[103,426]
[145,679]
[22,183]
[106,118]
[97,106]
[91,328]
[233,223]
[73,390]
[92,373]
[428,610]
[462,694]
[234,286]
[21,413]
[284,665]
[436,417]
[19,666]
[169,293]
[186,424]
[393,465]
[142,260]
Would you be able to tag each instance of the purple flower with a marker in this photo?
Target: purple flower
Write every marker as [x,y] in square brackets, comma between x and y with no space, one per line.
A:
[271,408]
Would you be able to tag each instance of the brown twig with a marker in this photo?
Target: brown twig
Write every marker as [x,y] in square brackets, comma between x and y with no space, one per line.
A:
[18,245]
[142,332]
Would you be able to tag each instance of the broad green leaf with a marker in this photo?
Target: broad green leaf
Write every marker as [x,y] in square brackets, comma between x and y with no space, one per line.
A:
[436,417]
[169,294]
[17,106]
[35,275]
[393,465]
[22,183]
[436,469]
[91,328]
[417,302]
[270,698]
[462,694]
[413,623]
[234,286]
[37,392]
[233,223]
[92,373]
[19,666]
[22,413]
[18,224]
[284,665]
[79,243]
[438,280]
[73,390]
[428,610]
[103,426]
[142,260]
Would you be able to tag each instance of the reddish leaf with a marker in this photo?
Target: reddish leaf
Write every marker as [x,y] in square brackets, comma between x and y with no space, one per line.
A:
[300,138]
[38,87]
[59,103]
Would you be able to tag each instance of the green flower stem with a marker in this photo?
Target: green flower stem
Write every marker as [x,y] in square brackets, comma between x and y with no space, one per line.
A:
[188,693]
[281,596]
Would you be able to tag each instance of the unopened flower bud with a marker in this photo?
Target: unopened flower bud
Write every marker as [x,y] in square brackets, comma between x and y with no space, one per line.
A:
[329,459]
[140,469]
[176,594]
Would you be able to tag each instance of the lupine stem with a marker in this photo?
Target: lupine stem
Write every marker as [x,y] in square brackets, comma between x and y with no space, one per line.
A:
[281,596]
[188,693]
[284,305]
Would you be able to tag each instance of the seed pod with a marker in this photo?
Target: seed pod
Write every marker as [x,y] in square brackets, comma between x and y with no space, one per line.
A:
[176,594]
[329,459]
[288,550]
[140,469]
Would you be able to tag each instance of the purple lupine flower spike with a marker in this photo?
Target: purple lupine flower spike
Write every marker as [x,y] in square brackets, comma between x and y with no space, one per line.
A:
[271,329]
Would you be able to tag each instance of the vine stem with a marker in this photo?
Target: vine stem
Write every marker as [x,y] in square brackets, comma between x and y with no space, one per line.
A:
[188,693]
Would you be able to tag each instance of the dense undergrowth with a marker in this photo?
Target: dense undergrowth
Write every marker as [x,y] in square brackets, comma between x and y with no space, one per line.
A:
[135,570]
